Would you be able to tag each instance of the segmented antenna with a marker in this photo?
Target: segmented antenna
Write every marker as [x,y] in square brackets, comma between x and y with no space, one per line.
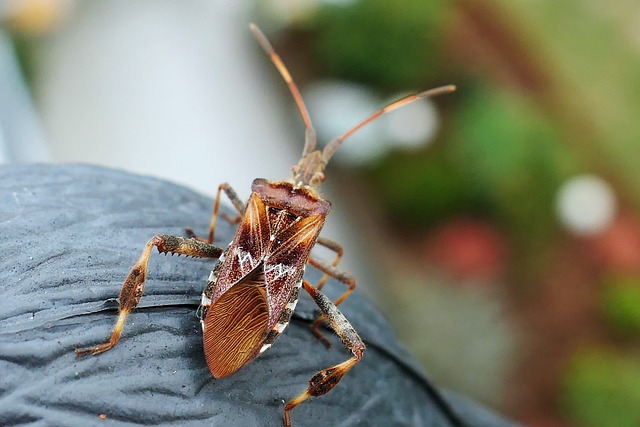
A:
[334,144]
[309,170]
[310,133]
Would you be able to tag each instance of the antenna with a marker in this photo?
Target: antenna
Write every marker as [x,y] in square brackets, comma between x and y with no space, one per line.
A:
[309,170]
[334,144]
[310,133]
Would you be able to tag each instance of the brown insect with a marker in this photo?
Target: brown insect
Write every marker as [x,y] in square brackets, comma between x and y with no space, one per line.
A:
[253,289]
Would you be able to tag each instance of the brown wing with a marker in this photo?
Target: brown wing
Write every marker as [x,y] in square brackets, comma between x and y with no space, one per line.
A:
[247,249]
[236,325]
[297,239]
[286,262]
[253,231]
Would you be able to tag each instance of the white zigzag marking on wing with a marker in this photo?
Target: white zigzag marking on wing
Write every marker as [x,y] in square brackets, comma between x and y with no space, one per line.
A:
[280,270]
[245,257]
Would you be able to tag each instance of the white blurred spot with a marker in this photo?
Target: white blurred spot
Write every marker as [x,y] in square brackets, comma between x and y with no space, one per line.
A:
[586,204]
[337,106]
[414,124]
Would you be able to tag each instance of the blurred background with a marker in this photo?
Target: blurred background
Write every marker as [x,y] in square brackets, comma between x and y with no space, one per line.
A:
[497,227]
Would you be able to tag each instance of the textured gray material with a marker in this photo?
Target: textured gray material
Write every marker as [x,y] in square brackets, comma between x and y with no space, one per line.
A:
[69,236]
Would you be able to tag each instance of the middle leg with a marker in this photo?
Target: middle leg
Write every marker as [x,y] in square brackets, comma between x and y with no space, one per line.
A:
[335,247]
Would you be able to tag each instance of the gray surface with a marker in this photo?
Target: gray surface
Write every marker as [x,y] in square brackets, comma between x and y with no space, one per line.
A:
[69,236]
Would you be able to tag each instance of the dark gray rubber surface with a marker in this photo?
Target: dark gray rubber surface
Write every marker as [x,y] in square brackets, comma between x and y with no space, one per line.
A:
[68,236]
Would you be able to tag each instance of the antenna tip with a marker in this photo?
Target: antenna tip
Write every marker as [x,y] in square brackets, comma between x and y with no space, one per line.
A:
[260,37]
[437,91]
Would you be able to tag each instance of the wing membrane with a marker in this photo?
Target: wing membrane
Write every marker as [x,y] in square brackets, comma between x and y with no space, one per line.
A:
[236,325]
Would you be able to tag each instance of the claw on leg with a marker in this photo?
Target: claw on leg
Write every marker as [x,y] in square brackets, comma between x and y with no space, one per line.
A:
[115,336]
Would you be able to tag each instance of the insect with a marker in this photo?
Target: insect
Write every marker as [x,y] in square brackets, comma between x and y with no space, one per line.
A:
[252,291]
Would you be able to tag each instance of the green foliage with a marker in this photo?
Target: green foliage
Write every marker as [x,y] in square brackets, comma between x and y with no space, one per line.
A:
[602,389]
[505,160]
[388,44]
[26,52]
[589,52]
[621,305]
[421,189]
[512,156]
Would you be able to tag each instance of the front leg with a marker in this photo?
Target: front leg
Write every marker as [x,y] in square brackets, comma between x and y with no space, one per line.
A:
[237,203]
[322,382]
[133,286]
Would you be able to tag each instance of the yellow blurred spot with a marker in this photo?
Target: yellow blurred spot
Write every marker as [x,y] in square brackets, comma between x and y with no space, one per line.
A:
[34,16]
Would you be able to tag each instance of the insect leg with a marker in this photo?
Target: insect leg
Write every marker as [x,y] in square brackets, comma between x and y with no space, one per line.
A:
[133,286]
[347,279]
[330,270]
[325,380]
[335,247]
[235,200]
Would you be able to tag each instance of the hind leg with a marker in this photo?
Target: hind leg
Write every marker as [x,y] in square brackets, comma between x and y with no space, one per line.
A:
[325,380]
